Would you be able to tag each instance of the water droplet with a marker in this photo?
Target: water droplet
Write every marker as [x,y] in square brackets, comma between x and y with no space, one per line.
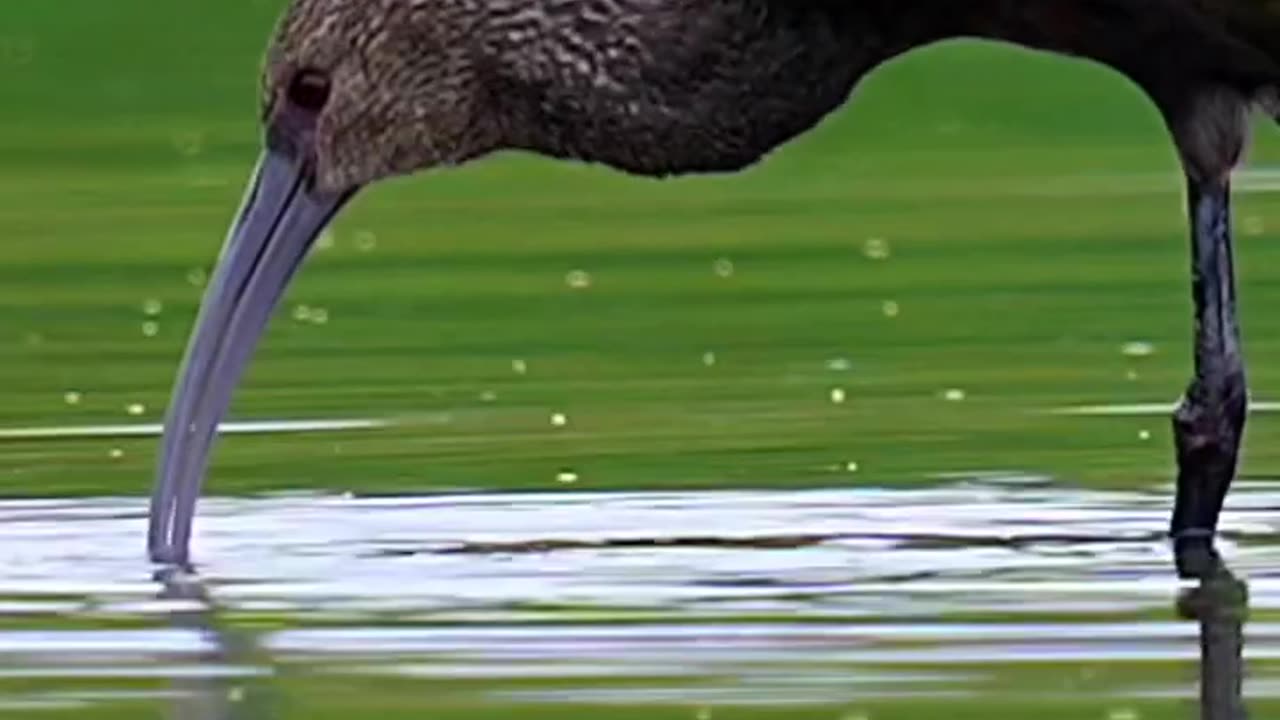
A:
[302,313]
[16,51]
[568,477]
[366,241]
[319,316]
[876,248]
[839,364]
[488,396]
[1123,714]
[954,395]
[708,358]
[197,277]
[152,307]
[723,267]
[559,419]
[326,241]
[1138,348]
[189,144]
[1144,435]
[135,408]
[837,396]
[71,397]
[150,328]
[519,366]
[578,279]
[116,453]
[890,308]
[1254,226]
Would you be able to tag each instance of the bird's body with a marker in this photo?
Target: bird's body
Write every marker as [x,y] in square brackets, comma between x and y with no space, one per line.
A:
[661,87]
[355,92]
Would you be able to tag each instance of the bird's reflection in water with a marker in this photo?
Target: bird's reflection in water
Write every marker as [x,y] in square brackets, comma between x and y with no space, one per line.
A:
[1220,603]
[232,678]
[228,682]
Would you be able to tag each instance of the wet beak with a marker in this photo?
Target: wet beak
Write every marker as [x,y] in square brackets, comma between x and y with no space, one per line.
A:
[280,218]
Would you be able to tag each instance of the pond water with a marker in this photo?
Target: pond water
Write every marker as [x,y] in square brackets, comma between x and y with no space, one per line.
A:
[990,597]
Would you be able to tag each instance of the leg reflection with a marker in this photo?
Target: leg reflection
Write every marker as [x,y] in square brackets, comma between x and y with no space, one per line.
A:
[1220,604]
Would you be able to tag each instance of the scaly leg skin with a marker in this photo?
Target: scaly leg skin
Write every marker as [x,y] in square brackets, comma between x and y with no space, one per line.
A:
[1209,423]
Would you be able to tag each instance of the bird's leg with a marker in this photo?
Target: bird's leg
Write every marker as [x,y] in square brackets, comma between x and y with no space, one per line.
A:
[1209,422]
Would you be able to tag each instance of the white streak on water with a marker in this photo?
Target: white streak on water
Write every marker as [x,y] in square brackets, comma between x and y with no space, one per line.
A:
[258,427]
[1144,409]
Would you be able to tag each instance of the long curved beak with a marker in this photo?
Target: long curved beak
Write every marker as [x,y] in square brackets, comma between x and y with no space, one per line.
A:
[279,219]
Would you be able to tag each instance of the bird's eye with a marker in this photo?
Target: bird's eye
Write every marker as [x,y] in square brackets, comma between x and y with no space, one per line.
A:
[309,90]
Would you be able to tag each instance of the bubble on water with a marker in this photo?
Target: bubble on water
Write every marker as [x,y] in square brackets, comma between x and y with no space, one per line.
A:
[890,308]
[152,307]
[839,364]
[519,367]
[326,240]
[1123,714]
[189,143]
[319,316]
[1254,225]
[723,267]
[1138,348]
[709,358]
[302,313]
[17,51]
[71,397]
[366,241]
[559,419]
[115,453]
[876,248]
[954,394]
[568,477]
[578,279]
[135,408]
[488,396]
[150,328]
[837,396]
[197,277]
[1144,435]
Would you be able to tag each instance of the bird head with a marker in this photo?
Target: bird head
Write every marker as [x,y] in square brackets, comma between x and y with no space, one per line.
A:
[360,91]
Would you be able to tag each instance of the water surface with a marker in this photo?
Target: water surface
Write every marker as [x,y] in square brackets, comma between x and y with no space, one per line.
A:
[1004,590]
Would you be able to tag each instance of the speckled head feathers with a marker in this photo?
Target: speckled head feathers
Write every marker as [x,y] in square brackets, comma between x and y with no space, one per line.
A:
[401,88]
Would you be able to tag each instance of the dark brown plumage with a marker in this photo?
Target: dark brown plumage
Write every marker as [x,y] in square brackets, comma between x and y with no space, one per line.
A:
[672,86]
[359,90]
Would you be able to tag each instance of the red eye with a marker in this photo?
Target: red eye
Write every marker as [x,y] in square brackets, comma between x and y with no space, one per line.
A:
[309,90]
